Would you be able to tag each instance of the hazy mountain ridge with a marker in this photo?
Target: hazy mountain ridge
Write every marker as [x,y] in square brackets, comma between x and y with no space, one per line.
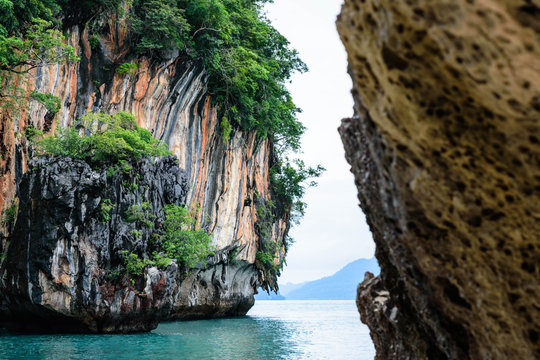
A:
[339,286]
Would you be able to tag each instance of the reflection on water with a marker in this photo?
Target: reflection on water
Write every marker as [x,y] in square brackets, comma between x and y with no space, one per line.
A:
[272,330]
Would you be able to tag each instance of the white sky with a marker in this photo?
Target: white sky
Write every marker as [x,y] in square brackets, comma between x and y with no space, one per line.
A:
[333,232]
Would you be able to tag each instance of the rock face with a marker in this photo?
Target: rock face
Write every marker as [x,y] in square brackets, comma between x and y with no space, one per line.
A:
[172,100]
[445,149]
[64,263]
[227,178]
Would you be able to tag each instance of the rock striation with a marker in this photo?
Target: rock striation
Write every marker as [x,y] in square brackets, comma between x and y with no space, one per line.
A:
[171,99]
[445,147]
[228,179]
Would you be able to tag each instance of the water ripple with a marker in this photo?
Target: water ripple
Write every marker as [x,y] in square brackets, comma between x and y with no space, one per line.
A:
[286,330]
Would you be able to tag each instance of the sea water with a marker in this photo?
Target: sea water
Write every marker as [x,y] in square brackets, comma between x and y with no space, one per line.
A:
[271,330]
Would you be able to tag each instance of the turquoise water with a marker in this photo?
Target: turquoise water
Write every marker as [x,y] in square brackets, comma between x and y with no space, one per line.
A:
[271,330]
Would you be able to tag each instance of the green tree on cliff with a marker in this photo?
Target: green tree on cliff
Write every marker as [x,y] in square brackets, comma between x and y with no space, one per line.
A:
[28,38]
[247,60]
[101,138]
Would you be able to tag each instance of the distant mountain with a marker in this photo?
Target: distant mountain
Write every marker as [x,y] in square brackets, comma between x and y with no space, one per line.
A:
[288,287]
[340,286]
[281,294]
[263,295]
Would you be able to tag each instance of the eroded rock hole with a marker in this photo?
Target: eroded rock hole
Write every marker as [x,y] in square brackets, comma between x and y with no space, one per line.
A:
[392,60]
[528,267]
[533,336]
[513,297]
[452,293]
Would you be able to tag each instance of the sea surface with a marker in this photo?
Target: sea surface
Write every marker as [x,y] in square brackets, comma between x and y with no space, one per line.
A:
[271,330]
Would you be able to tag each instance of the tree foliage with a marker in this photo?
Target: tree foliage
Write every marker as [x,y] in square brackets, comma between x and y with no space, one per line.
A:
[52,103]
[159,25]
[248,61]
[29,37]
[102,138]
[40,45]
[10,213]
[290,180]
[15,15]
[182,239]
[134,264]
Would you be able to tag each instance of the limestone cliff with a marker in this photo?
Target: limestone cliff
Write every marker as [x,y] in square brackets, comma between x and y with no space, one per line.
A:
[444,146]
[65,260]
[170,98]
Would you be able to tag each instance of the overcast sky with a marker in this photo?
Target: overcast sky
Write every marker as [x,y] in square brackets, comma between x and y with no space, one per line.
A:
[333,232]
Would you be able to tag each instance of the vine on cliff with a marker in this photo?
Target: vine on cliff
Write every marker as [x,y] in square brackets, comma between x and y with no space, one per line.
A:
[270,257]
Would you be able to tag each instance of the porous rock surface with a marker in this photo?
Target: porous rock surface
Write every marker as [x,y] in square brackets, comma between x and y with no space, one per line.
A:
[445,148]
[64,269]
